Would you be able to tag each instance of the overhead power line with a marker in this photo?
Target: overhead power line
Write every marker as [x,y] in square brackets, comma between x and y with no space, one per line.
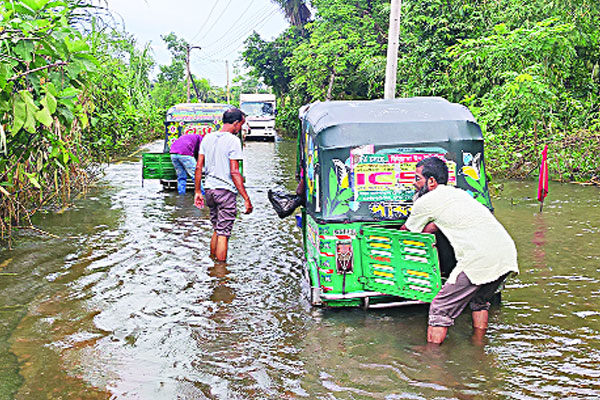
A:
[216,20]
[207,19]
[236,41]
[249,22]
[233,24]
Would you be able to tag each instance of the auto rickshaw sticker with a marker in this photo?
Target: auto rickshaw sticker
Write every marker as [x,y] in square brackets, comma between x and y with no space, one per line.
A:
[317,193]
[311,160]
[325,245]
[198,129]
[312,235]
[173,130]
[326,271]
[337,202]
[357,152]
[474,173]
[344,257]
[389,210]
[380,258]
[390,177]
[471,165]
[344,233]
[342,171]
[326,254]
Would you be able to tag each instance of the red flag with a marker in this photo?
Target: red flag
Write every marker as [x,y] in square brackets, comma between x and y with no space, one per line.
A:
[543,182]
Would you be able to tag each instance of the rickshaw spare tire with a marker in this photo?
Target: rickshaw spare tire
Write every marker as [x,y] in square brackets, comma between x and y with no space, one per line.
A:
[284,203]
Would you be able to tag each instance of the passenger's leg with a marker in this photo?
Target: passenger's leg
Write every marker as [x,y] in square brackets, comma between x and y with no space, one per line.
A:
[213,245]
[226,201]
[480,304]
[213,209]
[222,245]
[189,163]
[450,301]
[180,171]
[436,334]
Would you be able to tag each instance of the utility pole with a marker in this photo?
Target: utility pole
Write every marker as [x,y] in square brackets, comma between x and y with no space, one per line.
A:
[187,63]
[392,50]
[227,69]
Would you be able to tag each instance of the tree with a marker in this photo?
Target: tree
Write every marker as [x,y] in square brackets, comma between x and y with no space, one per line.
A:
[170,87]
[295,11]
[174,72]
[529,70]
[266,59]
[344,57]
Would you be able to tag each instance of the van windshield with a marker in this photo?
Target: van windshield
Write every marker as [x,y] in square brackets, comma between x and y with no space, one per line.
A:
[257,108]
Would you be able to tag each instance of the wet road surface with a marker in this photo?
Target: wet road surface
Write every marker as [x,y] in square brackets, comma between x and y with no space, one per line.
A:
[127,304]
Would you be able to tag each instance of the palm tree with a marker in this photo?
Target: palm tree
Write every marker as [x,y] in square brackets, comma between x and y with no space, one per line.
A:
[296,11]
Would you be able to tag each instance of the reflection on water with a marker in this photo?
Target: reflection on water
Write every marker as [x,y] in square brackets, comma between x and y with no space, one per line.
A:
[539,240]
[128,305]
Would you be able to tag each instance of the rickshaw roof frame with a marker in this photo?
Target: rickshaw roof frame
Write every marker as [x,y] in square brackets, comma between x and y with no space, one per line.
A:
[339,124]
[219,108]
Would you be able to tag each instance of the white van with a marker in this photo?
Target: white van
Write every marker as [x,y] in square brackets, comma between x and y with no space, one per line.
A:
[260,110]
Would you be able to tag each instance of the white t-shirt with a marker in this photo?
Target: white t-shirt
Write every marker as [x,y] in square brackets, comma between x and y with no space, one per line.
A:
[218,148]
[484,250]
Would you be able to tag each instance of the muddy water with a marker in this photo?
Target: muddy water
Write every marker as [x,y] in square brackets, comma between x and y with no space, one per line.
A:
[127,304]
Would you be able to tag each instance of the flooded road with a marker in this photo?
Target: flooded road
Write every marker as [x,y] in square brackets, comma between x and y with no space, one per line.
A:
[126,304]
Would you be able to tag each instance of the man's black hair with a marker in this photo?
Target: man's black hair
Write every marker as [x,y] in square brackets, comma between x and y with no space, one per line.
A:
[436,168]
[233,115]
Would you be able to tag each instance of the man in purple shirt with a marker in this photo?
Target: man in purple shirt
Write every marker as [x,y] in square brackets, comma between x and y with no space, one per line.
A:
[184,152]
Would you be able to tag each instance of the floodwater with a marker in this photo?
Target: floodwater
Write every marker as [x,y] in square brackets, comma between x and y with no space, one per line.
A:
[127,304]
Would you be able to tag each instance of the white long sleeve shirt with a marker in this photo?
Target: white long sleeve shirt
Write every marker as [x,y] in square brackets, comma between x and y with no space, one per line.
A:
[484,250]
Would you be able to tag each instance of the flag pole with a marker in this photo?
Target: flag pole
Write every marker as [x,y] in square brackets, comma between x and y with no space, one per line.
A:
[543,179]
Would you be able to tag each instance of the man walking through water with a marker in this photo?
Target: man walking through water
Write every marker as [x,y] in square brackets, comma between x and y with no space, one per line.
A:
[485,253]
[219,157]
[184,153]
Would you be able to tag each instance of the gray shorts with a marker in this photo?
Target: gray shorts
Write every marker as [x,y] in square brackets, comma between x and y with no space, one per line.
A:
[452,299]
[222,206]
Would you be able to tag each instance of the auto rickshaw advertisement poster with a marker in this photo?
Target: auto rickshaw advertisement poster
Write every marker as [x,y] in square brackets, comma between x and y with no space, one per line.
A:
[196,112]
[177,129]
[390,177]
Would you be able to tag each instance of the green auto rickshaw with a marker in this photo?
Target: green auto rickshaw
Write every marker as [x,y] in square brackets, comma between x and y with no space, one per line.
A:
[357,160]
[181,119]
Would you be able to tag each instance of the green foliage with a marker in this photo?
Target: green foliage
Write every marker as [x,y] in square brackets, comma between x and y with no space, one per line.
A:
[175,72]
[66,99]
[44,63]
[337,59]
[120,111]
[265,59]
[337,203]
[537,89]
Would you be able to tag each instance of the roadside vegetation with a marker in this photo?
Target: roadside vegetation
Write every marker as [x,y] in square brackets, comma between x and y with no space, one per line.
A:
[75,91]
[528,70]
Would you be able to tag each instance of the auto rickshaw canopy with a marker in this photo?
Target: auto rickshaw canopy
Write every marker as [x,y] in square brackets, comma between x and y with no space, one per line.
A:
[192,119]
[195,112]
[389,122]
[359,157]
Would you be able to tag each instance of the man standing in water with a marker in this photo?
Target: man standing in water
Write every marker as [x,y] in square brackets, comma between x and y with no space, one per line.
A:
[485,253]
[219,157]
[184,152]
